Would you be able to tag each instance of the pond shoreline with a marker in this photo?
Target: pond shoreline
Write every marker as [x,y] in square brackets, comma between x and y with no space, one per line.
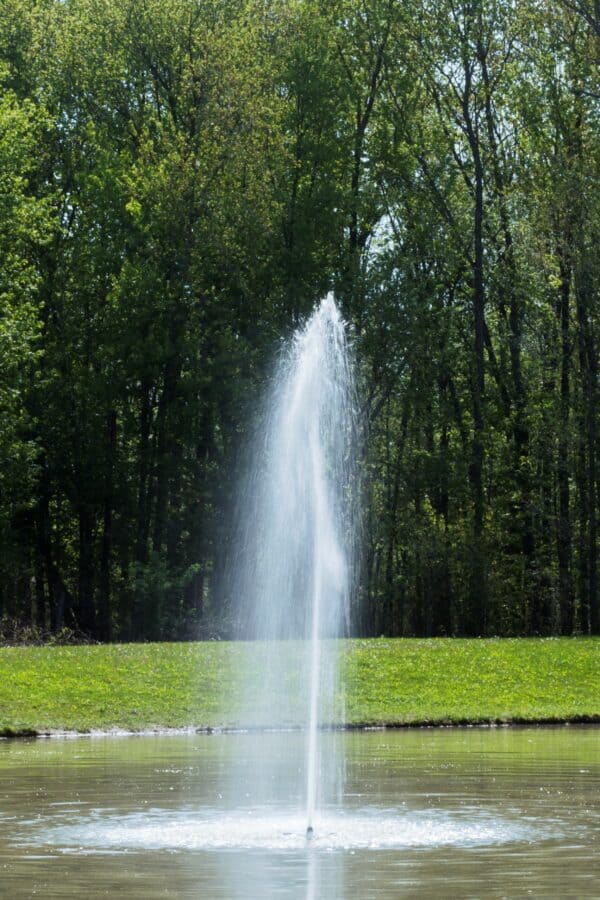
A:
[30,733]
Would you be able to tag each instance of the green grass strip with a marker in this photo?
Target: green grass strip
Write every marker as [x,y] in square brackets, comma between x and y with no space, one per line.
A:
[386,682]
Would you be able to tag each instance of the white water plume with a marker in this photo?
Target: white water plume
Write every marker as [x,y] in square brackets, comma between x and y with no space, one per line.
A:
[293,574]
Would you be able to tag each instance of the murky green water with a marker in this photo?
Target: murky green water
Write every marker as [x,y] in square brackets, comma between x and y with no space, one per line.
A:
[428,813]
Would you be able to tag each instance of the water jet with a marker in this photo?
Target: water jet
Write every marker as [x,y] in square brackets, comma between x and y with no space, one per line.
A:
[293,569]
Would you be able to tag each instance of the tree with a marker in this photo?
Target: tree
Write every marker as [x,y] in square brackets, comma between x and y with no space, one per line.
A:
[24,229]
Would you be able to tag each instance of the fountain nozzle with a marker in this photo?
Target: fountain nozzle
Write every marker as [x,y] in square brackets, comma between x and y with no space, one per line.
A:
[309,832]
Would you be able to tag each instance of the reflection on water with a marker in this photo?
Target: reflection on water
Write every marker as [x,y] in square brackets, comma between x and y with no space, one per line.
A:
[461,813]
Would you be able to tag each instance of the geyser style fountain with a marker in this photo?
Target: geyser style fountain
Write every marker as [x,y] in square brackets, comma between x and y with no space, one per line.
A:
[293,579]
[267,807]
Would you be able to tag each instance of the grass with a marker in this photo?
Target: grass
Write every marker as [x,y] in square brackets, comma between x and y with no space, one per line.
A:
[389,682]
[457,681]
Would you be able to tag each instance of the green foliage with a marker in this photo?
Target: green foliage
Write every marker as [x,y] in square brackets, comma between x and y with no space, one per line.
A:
[180,181]
[25,228]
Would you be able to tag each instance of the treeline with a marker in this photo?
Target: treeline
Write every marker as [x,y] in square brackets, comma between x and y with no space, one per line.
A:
[181,180]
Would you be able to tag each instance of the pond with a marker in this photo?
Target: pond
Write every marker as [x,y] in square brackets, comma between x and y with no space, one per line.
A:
[494,812]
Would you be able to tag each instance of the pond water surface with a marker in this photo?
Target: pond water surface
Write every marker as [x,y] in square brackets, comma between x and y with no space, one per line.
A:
[461,813]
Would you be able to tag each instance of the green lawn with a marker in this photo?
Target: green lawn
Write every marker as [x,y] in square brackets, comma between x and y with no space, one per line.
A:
[394,682]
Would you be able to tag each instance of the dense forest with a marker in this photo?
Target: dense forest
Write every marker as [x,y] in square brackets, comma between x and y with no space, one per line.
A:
[181,181]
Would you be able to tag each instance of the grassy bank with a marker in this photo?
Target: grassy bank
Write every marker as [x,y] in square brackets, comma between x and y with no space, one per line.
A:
[393,682]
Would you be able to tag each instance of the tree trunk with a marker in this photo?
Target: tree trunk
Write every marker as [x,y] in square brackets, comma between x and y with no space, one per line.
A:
[86,613]
[564,536]
[589,375]
[163,454]
[392,615]
[476,616]
[518,401]
[143,511]
[104,600]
